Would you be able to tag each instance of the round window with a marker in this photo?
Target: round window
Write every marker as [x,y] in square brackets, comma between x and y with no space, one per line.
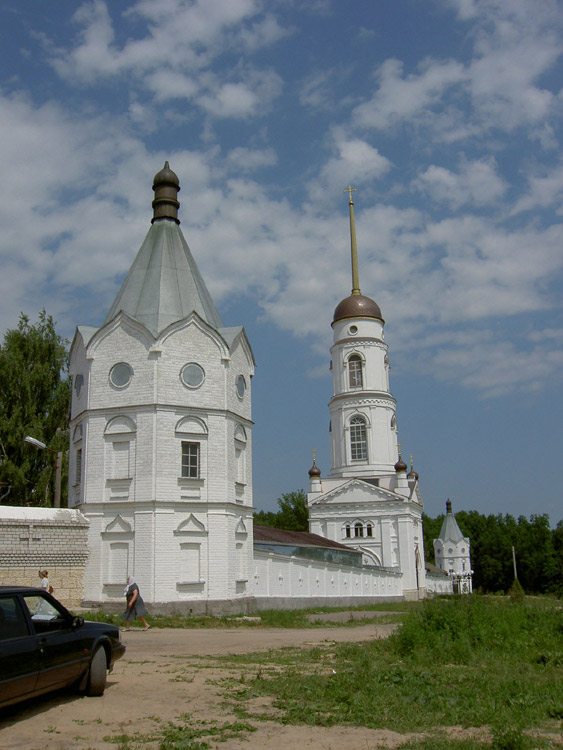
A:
[192,375]
[353,330]
[241,386]
[121,374]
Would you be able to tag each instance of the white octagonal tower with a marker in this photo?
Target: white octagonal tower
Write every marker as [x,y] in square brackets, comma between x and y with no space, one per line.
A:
[161,430]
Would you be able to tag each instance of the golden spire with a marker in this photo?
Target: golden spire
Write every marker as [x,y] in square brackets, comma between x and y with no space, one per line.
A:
[355,274]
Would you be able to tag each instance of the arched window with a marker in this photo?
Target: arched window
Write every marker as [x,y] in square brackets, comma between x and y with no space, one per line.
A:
[358,529]
[358,439]
[347,531]
[369,529]
[355,371]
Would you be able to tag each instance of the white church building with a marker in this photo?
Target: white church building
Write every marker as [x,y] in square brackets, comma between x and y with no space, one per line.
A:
[161,452]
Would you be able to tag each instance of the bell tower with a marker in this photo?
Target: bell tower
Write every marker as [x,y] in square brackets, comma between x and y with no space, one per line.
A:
[362,410]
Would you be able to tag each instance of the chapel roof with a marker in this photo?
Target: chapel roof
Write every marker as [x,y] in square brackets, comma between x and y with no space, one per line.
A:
[450,531]
[164,284]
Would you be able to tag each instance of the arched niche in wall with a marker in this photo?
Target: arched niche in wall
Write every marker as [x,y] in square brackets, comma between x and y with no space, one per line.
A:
[117,542]
[191,425]
[119,463]
[240,461]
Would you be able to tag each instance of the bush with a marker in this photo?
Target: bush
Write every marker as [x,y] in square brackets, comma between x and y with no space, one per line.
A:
[516,592]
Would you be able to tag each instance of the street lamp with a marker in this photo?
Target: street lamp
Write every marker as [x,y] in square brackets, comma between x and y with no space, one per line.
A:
[58,465]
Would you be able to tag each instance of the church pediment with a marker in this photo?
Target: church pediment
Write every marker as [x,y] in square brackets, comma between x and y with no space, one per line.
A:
[356,491]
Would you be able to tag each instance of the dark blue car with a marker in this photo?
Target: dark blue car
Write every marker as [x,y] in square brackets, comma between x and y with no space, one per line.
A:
[44,647]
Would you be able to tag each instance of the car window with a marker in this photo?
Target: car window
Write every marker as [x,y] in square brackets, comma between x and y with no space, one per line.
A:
[44,614]
[13,623]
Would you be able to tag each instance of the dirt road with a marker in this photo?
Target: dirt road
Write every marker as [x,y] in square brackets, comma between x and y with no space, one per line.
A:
[160,679]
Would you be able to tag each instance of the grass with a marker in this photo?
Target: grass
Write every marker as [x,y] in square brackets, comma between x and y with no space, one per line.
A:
[468,662]
[297,618]
[186,735]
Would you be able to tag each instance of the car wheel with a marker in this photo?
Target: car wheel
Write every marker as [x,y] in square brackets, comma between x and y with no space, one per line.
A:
[98,673]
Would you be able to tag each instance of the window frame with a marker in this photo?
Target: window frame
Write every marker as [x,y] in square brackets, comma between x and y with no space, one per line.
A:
[355,371]
[190,449]
[358,443]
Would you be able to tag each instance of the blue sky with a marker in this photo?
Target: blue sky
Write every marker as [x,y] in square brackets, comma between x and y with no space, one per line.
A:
[444,114]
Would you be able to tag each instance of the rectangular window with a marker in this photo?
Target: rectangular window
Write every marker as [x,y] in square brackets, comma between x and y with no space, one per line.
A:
[190,460]
[78,467]
[355,370]
[358,439]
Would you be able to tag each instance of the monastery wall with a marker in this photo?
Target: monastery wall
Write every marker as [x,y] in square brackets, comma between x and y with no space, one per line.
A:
[55,539]
[293,578]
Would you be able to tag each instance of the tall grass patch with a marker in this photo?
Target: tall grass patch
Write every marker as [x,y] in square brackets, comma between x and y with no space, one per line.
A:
[470,661]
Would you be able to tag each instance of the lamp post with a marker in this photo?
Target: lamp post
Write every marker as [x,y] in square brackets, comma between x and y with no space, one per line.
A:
[58,465]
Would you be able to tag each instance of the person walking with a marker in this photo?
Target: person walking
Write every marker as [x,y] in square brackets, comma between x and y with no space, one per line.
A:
[45,585]
[135,605]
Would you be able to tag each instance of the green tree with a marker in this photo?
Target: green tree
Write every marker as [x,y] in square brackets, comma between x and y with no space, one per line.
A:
[34,400]
[293,514]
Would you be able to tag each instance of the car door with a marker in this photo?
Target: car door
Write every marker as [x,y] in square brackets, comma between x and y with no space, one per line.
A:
[19,651]
[62,650]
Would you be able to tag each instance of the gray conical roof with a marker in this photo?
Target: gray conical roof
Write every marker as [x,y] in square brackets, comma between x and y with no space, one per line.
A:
[450,531]
[164,284]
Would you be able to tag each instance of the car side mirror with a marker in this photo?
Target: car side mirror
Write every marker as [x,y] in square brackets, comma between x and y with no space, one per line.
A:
[77,622]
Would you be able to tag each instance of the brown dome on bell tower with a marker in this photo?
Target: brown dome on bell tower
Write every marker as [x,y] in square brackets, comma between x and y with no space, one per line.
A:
[357,306]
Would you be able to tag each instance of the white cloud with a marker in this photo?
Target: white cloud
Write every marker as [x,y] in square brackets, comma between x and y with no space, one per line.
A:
[242,100]
[400,97]
[544,190]
[475,183]
[514,44]
[353,160]
[170,84]
[174,58]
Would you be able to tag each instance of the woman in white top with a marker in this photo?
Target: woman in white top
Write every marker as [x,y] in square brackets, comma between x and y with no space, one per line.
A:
[45,585]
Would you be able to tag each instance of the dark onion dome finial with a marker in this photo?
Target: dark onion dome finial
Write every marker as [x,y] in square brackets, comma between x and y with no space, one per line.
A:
[400,465]
[314,471]
[357,306]
[448,505]
[412,473]
[166,186]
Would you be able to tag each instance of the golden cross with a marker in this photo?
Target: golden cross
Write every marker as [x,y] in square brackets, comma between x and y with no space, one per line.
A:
[350,190]
[399,447]
[314,455]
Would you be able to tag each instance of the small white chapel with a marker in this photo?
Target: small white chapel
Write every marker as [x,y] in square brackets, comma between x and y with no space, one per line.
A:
[161,452]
